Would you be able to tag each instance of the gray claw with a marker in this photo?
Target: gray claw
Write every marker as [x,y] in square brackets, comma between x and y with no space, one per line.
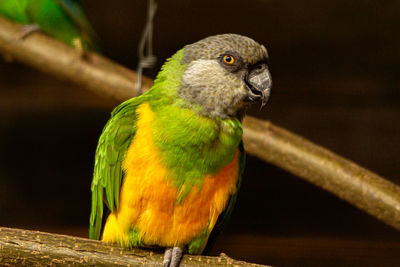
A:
[177,253]
[28,29]
[172,257]
[167,257]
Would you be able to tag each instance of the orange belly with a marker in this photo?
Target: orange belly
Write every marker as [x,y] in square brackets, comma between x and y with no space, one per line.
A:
[149,201]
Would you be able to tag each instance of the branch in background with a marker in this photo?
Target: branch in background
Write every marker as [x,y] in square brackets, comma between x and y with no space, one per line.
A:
[32,248]
[360,187]
[48,55]
[319,166]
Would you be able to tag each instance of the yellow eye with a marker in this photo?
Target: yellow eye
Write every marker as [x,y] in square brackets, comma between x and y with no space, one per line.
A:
[228,59]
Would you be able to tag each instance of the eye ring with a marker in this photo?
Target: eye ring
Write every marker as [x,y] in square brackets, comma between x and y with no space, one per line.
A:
[229,59]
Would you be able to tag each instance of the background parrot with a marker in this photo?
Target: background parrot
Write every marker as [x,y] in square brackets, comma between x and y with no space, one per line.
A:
[65,20]
[169,162]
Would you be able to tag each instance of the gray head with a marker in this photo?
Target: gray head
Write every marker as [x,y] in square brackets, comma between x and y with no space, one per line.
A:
[224,74]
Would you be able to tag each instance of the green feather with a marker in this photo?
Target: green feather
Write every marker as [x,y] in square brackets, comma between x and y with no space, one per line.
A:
[110,188]
[65,20]
[117,183]
[75,11]
[134,238]
[15,10]
[110,153]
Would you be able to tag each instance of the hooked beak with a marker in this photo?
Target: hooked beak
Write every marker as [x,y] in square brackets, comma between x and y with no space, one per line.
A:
[258,81]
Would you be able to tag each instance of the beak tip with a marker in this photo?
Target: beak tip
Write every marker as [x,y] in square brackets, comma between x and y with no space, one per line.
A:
[265,97]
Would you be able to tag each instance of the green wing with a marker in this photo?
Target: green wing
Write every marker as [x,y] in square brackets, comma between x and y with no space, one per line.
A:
[74,9]
[224,217]
[15,10]
[113,144]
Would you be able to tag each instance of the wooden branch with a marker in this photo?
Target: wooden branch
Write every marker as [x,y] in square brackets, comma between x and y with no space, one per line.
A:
[32,248]
[360,187]
[317,165]
[48,55]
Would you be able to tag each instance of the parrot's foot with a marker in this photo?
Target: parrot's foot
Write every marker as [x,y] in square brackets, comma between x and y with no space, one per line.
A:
[28,29]
[172,257]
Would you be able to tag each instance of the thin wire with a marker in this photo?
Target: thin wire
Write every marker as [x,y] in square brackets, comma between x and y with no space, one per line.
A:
[145,49]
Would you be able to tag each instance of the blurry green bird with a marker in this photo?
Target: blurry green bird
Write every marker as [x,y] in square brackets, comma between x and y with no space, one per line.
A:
[65,20]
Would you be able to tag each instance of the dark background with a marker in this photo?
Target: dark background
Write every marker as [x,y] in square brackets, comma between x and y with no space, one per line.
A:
[335,66]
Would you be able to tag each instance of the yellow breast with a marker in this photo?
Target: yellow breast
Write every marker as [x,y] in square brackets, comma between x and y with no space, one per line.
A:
[148,201]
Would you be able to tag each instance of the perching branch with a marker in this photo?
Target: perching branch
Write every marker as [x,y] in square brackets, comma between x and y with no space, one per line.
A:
[360,187]
[32,248]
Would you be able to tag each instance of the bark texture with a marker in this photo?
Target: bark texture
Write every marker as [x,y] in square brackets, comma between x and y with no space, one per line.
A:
[32,248]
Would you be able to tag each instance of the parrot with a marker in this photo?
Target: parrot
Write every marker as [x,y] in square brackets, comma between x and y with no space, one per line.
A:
[65,20]
[169,162]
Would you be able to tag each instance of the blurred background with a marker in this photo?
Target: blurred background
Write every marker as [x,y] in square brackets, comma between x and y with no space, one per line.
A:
[336,71]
